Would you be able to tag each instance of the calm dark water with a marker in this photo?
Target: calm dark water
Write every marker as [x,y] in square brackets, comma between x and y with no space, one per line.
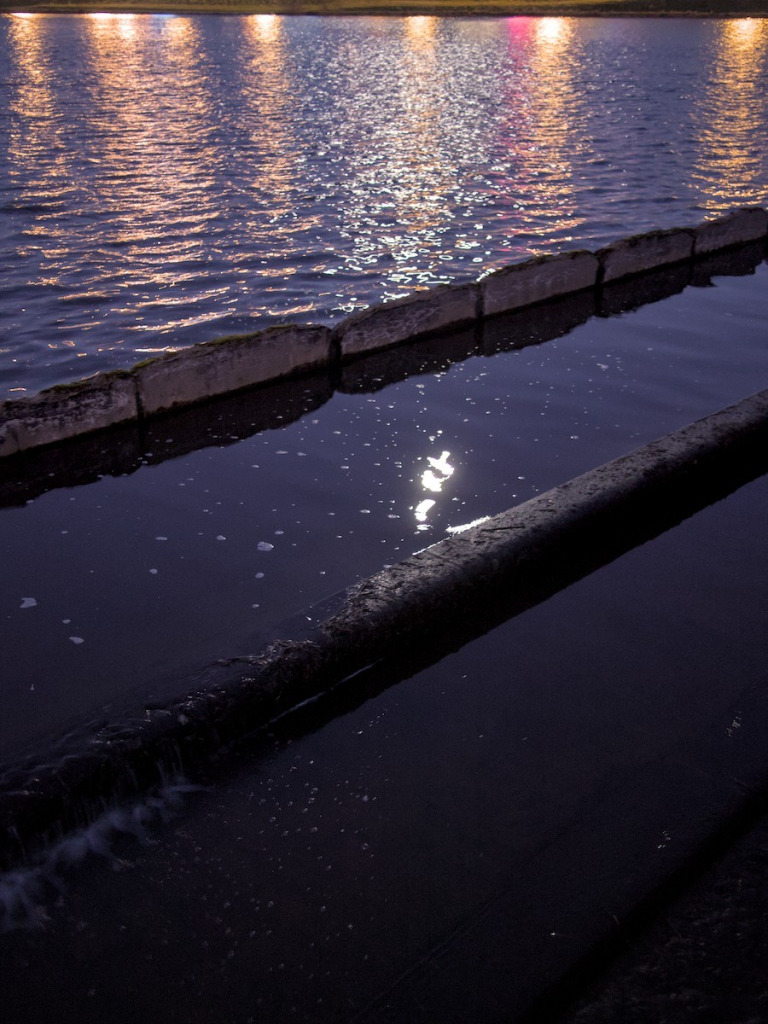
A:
[117,588]
[164,180]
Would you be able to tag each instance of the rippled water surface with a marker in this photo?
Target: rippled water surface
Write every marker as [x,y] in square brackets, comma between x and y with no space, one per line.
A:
[164,180]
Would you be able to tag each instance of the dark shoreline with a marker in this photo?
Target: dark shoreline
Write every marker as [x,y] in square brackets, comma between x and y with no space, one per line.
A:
[719,9]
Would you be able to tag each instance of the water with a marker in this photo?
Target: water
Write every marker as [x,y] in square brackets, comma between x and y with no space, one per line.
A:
[187,553]
[444,846]
[164,180]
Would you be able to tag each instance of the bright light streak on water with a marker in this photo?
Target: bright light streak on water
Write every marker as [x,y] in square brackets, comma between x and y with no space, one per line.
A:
[164,180]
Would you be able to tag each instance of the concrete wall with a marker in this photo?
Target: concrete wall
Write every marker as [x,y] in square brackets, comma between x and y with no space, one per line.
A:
[644,252]
[228,365]
[425,312]
[537,280]
[67,411]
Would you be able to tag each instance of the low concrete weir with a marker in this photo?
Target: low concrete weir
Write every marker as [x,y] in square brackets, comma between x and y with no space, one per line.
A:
[230,364]
[745,225]
[67,411]
[537,280]
[644,252]
[424,312]
[524,554]
[227,365]
[228,418]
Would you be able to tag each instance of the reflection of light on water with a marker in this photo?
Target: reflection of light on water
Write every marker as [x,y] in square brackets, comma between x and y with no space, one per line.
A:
[440,470]
[401,176]
[269,94]
[422,509]
[420,30]
[432,479]
[553,30]
[153,167]
[539,136]
[266,26]
[730,163]
[143,139]
[746,28]
[33,140]
[127,25]
[180,30]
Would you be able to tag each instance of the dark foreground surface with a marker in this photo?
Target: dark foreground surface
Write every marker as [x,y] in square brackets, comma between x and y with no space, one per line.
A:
[448,838]
[479,8]
[703,957]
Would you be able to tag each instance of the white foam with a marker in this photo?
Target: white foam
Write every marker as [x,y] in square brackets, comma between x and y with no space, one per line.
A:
[27,893]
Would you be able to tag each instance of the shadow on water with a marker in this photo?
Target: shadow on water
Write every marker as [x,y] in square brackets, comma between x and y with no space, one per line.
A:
[224,421]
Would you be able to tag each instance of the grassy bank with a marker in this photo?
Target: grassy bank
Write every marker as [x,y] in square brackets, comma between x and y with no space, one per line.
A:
[667,8]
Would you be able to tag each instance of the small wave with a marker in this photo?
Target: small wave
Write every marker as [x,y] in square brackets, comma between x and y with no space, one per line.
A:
[28,893]
[30,207]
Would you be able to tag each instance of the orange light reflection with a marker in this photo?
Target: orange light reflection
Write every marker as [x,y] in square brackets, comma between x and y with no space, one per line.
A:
[730,164]
[541,133]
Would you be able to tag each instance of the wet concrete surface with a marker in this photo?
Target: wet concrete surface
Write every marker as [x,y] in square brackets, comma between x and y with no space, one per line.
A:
[118,588]
[438,842]
[703,957]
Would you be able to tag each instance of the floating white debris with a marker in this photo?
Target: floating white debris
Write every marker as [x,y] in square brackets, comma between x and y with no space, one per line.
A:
[77,640]
[66,622]
[161,538]
[259,575]
[264,545]
[153,571]
[28,602]
[220,537]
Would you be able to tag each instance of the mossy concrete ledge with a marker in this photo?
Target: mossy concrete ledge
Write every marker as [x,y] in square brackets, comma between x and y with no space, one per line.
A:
[67,410]
[538,279]
[230,364]
[425,312]
[645,252]
[748,224]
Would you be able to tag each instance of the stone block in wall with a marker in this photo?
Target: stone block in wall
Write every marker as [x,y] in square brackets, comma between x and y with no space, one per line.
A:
[66,411]
[745,225]
[424,312]
[536,280]
[645,252]
[230,364]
